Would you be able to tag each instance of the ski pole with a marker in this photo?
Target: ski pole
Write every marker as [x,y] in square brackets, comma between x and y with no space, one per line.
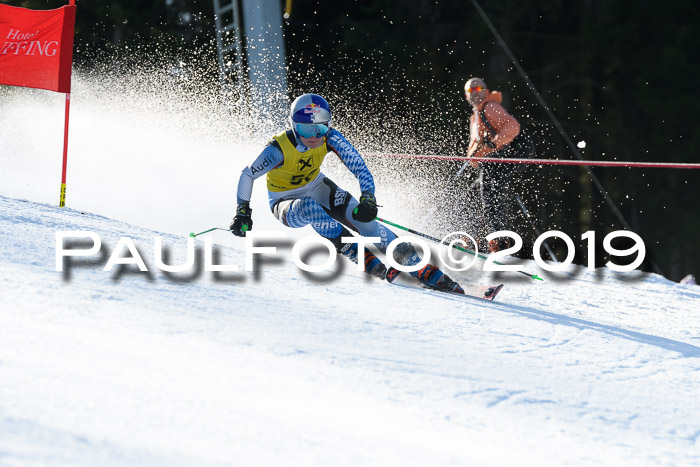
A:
[213,228]
[457,247]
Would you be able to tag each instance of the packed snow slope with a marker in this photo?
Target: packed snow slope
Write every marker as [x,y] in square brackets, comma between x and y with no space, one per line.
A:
[276,368]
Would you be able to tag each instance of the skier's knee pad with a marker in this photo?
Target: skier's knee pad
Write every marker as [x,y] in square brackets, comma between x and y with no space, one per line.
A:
[280,210]
[406,255]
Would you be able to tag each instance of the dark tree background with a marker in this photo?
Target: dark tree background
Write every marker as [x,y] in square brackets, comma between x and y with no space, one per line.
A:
[619,75]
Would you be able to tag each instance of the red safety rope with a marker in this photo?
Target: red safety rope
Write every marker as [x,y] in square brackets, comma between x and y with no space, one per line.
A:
[659,165]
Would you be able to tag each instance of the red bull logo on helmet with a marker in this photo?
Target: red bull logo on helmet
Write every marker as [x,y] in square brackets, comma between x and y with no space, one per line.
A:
[312,108]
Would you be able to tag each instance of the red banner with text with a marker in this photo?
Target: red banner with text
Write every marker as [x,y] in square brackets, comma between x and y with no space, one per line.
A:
[36,47]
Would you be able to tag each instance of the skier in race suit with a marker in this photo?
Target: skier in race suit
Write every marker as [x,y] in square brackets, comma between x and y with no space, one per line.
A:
[300,194]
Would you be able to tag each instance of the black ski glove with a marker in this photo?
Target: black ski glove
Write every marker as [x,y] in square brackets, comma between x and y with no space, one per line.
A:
[242,222]
[366,211]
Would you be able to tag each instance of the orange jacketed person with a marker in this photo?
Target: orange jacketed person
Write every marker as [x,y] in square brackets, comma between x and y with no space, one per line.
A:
[494,132]
[499,127]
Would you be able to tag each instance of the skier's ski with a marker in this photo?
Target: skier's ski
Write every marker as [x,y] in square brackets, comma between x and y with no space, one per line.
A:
[491,292]
[483,292]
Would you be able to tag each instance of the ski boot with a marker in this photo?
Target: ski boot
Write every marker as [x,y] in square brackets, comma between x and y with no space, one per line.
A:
[429,275]
[373,265]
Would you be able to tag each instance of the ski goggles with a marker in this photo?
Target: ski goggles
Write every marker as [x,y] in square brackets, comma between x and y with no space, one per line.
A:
[475,89]
[312,130]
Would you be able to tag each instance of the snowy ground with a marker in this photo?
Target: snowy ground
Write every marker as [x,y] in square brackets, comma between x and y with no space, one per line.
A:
[99,368]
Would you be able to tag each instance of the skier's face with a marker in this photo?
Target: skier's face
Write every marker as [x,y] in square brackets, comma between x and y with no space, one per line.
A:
[312,143]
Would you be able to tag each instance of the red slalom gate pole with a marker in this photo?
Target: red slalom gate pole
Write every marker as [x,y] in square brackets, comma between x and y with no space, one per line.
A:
[62,200]
[505,160]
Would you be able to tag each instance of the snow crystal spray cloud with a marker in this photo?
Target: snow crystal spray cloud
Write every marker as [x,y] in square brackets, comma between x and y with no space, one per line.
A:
[157,145]
[153,145]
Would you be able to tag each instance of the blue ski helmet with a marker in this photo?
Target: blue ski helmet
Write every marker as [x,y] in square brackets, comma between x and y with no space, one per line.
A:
[310,116]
